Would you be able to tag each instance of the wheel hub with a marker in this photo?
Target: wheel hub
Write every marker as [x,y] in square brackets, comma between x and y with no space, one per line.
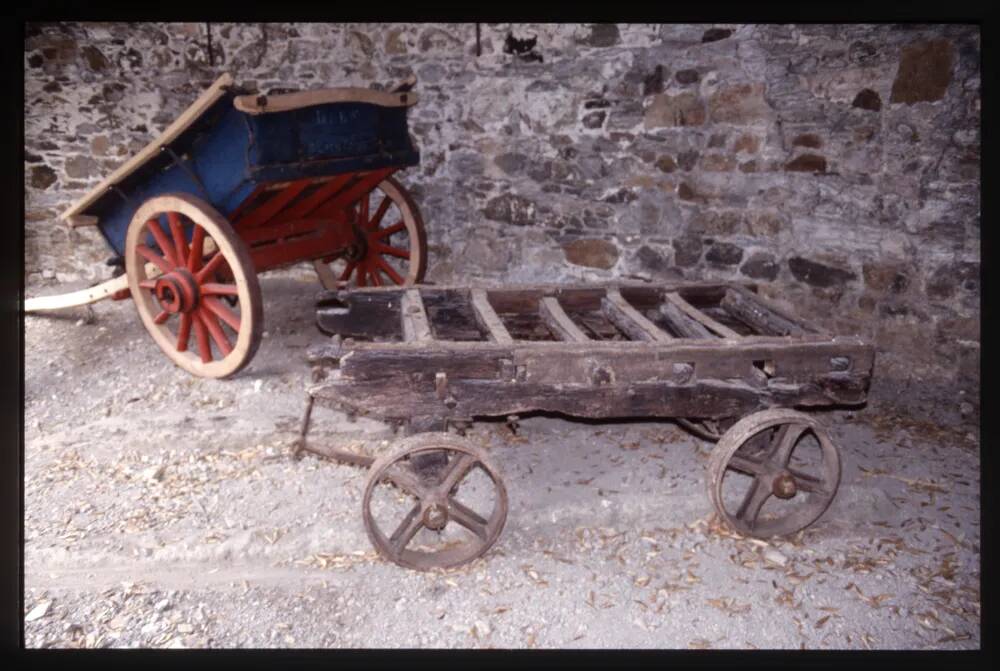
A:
[435,516]
[358,249]
[177,291]
[783,485]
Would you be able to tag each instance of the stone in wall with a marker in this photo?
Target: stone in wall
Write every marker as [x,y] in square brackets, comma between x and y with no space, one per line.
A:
[819,274]
[738,104]
[924,72]
[591,252]
[761,266]
[684,109]
[510,208]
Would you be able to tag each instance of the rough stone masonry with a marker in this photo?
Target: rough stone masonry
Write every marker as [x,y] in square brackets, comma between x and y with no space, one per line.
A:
[836,165]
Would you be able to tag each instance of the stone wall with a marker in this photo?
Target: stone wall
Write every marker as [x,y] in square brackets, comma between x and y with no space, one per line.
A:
[838,165]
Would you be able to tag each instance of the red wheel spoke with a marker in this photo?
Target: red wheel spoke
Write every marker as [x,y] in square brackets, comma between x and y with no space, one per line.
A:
[154,258]
[215,330]
[177,231]
[363,210]
[391,251]
[184,333]
[347,271]
[148,284]
[373,273]
[201,338]
[222,312]
[162,317]
[379,213]
[197,248]
[161,239]
[362,269]
[218,289]
[389,230]
[389,270]
[210,267]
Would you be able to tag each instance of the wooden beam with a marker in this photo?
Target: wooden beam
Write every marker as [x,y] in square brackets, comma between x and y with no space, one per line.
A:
[261,104]
[621,313]
[78,220]
[415,323]
[699,316]
[683,325]
[488,318]
[752,309]
[558,321]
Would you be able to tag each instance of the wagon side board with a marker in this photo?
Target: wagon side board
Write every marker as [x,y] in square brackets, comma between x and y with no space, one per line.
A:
[394,380]
[704,367]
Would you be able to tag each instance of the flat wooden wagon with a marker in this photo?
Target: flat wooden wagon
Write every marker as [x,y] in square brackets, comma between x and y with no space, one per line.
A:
[720,359]
[243,183]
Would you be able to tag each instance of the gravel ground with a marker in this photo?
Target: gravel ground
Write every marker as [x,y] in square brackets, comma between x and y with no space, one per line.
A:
[165,511]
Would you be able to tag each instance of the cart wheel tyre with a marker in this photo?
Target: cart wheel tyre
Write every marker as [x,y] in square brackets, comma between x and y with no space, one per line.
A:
[430,471]
[773,473]
[391,243]
[182,259]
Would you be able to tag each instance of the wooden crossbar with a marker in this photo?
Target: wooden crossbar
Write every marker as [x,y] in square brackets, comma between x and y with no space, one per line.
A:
[753,310]
[700,316]
[558,321]
[488,318]
[621,313]
[416,326]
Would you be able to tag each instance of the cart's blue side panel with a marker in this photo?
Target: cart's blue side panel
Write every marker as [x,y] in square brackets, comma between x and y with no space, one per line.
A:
[214,169]
[227,153]
[328,139]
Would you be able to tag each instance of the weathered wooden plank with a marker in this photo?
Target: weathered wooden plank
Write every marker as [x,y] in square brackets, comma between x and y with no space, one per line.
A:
[755,311]
[399,367]
[682,324]
[355,315]
[621,313]
[700,316]
[595,363]
[478,398]
[488,318]
[558,321]
[414,318]
[451,315]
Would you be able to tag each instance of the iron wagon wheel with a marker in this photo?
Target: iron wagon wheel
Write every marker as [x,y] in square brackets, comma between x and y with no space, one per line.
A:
[390,243]
[181,258]
[773,473]
[431,471]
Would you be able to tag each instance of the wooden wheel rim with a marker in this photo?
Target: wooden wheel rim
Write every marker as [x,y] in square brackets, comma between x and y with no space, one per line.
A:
[417,236]
[747,429]
[236,256]
[450,557]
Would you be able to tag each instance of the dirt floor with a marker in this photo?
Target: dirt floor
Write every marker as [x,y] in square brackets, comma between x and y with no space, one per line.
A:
[163,510]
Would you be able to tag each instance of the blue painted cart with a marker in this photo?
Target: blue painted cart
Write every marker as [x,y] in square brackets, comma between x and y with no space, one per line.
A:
[244,183]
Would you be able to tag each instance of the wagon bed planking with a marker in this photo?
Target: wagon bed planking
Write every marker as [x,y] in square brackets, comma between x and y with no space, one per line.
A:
[432,357]
[702,350]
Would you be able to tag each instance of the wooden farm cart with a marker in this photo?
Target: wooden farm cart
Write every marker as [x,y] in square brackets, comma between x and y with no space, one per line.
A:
[240,184]
[711,355]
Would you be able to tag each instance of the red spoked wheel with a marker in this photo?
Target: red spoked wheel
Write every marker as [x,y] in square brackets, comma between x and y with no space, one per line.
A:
[390,244]
[191,275]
